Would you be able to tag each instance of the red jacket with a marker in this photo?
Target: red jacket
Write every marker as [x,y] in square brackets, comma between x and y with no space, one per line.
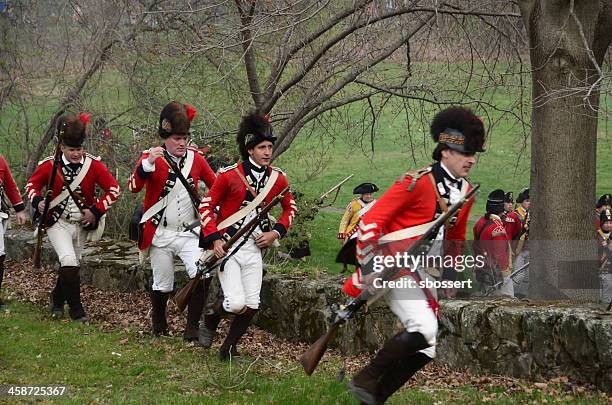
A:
[230,193]
[516,227]
[411,201]
[9,185]
[98,174]
[495,246]
[156,181]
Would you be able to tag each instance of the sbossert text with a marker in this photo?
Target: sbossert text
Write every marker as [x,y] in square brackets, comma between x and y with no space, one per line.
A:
[408,282]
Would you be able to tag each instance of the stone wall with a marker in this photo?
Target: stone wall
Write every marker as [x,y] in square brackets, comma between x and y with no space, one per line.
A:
[517,338]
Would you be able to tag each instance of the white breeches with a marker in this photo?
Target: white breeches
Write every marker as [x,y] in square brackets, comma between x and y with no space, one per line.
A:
[411,307]
[67,239]
[165,247]
[3,224]
[241,278]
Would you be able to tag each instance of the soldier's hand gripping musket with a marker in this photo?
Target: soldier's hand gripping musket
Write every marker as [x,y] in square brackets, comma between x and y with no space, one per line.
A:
[310,359]
[208,261]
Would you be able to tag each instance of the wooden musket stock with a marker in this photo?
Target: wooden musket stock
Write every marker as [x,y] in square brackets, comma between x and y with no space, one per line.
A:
[42,220]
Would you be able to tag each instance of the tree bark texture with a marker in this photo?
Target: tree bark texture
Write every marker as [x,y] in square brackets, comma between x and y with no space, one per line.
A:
[568,41]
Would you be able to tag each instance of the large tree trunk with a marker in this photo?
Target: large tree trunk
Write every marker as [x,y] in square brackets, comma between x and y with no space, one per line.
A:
[562,35]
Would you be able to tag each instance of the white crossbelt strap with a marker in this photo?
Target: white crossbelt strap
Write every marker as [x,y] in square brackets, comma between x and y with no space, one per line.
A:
[75,183]
[414,231]
[238,215]
[163,203]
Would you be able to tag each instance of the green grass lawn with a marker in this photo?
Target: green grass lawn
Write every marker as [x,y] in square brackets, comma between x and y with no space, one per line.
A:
[100,366]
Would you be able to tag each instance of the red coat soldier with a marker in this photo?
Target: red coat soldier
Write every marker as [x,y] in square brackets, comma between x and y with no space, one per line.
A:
[491,240]
[604,244]
[517,228]
[240,191]
[508,203]
[404,212]
[604,203]
[68,220]
[9,188]
[170,213]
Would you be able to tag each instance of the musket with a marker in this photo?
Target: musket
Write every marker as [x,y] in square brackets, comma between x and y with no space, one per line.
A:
[42,220]
[334,188]
[310,359]
[207,261]
[511,276]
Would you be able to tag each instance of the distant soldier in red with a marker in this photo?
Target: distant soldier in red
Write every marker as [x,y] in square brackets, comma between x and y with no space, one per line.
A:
[508,204]
[491,240]
[604,243]
[517,228]
[240,191]
[68,220]
[8,189]
[402,214]
[171,215]
[604,203]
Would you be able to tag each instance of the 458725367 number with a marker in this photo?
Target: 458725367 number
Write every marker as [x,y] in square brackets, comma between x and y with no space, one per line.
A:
[32,390]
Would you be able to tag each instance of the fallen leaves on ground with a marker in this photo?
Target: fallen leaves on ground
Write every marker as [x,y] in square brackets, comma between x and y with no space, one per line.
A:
[131,311]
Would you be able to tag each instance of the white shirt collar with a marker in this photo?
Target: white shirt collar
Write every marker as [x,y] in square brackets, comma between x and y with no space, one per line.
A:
[254,164]
[177,158]
[448,171]
[67,162]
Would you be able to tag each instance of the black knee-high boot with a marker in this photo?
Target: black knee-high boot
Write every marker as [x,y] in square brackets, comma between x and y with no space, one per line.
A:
[400,347]
[208,329]
[396,377]
[237,329]
[71,287]
[159,301]
[194,312]
[57,297]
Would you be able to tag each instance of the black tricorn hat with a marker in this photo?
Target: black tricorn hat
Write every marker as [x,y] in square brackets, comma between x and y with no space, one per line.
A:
[175,119]
[605,215]
[72,129]
[509,197]
[365,188]
[495,201]
[523,195]
[254,129]
[605,199]
[459,129]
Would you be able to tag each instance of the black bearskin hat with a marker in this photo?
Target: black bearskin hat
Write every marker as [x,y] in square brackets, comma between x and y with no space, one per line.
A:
[175,119]
[605,199]
[71,129]
[457,128]
[606,215]
[509,197]
[495,201]
[365,188]
[254,129]
[523,195]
